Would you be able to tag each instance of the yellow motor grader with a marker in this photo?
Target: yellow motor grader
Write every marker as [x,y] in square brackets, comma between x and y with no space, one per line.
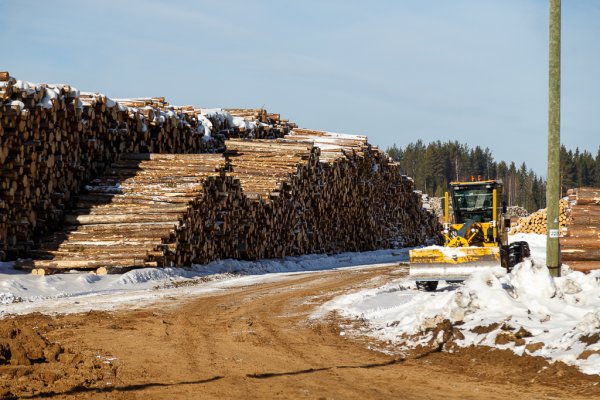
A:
[475,237]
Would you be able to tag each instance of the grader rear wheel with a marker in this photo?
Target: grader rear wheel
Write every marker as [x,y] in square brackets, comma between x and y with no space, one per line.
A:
[517,251]
[428,286]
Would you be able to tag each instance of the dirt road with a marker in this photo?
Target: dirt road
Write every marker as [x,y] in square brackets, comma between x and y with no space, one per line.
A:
[257,342]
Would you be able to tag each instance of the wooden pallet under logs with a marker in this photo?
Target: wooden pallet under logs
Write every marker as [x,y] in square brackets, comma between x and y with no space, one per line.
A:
[267,198]
[580,246]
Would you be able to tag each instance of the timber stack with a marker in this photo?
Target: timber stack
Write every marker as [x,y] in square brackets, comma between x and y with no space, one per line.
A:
[537,221]
[54,138]
[88,182]
[130,216]
[368,191]
[580,246]
[264,199]
[338,194]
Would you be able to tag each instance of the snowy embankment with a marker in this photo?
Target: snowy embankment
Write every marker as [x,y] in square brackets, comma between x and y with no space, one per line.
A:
[22,292]
[526,311]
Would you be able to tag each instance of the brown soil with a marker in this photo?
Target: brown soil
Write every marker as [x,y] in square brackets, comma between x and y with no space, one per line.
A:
[30,363]
[257,342]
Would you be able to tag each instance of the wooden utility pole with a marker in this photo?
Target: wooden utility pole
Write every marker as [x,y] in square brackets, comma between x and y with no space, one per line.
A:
[553,183]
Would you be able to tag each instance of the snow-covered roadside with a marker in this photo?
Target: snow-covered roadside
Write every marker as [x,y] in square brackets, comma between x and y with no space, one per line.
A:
[526,311]
[22,293]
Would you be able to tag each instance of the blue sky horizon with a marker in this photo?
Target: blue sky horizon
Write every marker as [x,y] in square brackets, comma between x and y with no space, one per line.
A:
[475,71]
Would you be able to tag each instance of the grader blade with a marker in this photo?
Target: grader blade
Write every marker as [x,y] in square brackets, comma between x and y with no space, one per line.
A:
[450,263]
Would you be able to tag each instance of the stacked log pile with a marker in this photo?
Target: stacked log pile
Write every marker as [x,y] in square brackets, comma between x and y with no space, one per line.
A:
[290,197]
[148,203]
[257,123]
[580,246]
[130,217]
[364,189]
[517,212]
[274,177]
[537,222]
[267,198]
[54,138]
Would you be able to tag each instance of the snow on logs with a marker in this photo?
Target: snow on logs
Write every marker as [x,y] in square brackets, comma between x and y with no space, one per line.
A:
[264,199]
[54,138]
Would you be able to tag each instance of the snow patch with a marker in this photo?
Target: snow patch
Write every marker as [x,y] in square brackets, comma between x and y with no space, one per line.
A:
[76,291]
[50,95]
[16,103]
[527,311]
[532,281]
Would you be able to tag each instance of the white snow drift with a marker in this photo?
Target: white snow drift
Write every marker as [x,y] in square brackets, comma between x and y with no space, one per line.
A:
[21,292]
[558,318]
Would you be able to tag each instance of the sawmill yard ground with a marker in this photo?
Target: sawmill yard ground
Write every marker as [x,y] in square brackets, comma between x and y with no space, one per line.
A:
[344,326]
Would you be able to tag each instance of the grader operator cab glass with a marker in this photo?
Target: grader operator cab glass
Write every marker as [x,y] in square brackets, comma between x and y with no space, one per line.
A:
[472,204]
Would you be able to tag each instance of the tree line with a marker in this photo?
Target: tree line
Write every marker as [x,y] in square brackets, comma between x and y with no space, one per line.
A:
[434,165]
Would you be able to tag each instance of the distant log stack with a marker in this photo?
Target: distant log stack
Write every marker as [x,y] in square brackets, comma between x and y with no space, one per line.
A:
[517,212]
[580,246]
[537,222]
[54,138]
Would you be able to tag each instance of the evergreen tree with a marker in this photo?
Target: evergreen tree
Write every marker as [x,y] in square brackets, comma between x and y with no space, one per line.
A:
[523,186]
[586,171]
[567,170]
[477,162]
[511,184]
[394,152]
[502,171]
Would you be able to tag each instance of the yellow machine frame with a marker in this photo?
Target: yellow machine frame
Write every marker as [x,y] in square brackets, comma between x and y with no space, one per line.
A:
[477,245]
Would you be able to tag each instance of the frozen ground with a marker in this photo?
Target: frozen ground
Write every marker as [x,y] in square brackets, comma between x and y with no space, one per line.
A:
[526,311]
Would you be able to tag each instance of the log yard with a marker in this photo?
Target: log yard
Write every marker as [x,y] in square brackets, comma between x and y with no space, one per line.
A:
[157,245]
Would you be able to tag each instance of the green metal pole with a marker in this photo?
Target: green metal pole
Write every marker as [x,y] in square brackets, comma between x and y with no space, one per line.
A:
[553,183]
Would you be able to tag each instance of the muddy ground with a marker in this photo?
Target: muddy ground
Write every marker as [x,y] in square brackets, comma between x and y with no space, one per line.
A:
[255,342]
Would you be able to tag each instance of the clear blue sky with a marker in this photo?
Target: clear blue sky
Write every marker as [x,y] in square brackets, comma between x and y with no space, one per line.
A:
[397,71]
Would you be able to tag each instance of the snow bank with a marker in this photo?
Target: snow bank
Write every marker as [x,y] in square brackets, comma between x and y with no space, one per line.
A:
[21,292]
[526,311]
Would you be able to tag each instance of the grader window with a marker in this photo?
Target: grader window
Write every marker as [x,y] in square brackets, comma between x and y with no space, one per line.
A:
[472,205]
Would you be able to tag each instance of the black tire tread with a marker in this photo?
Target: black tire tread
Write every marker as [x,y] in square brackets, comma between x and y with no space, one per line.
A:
[428,286]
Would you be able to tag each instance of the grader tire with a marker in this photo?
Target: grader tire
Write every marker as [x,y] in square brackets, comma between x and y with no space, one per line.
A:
[517,251]
[428,286]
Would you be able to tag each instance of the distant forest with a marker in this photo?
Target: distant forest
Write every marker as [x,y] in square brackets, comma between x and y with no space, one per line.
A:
[434,165]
